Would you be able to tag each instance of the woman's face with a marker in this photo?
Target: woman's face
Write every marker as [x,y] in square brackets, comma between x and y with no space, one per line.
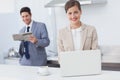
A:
[74,14]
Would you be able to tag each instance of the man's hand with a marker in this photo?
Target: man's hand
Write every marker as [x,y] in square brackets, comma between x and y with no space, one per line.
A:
[33,39]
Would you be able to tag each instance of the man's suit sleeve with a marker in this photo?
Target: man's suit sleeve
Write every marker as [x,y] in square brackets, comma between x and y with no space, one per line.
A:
[44,40]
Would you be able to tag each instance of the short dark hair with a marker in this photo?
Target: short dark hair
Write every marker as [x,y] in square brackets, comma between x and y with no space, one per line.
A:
[72,3]
[25,9]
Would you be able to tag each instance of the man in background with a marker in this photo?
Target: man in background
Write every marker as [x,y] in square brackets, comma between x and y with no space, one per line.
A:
[33,51]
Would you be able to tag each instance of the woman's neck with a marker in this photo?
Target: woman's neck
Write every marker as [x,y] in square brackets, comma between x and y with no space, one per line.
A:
[75,26]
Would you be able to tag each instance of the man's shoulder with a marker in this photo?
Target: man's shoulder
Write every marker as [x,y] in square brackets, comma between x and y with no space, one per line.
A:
[39,23]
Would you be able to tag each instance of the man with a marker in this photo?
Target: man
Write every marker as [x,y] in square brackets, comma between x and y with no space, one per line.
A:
[33,51]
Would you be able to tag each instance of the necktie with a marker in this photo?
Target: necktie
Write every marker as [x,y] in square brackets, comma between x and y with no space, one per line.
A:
[28,29]
[26,43]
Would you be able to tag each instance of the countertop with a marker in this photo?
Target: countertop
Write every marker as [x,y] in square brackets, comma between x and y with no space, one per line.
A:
[51,61]
[12,72]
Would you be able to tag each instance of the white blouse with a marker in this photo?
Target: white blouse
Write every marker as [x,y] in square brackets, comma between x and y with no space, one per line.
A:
[76,34]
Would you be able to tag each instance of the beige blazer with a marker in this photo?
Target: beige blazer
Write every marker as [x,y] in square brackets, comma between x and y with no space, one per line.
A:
[89,39]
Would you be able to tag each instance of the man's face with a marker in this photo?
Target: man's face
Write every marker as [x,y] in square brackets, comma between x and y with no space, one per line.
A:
[26,17]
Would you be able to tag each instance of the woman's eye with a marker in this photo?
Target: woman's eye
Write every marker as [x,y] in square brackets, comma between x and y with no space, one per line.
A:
[76,12]
[69,13]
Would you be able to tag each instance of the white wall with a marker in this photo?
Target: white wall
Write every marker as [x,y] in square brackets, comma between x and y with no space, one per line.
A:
[105,17]
[42,14]
[13,23]
[8,25]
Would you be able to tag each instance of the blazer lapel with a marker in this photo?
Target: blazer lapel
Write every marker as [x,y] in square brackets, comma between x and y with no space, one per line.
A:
[33,25]
[70,39]
[83,36]
[24,29]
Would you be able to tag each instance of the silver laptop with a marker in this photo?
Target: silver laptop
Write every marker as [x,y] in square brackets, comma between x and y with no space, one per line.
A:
[76,63]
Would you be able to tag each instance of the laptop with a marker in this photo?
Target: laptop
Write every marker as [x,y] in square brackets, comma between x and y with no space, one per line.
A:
[76,63]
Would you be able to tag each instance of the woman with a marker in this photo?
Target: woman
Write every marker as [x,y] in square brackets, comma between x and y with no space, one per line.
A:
[76,36]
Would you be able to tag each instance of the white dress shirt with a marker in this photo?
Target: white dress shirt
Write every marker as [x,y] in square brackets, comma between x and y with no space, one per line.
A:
[76,34]
[30,25]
